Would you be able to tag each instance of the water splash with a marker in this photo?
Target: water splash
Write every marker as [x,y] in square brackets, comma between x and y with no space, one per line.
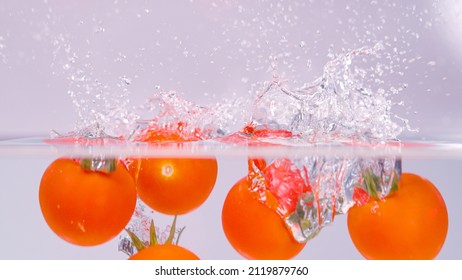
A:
[2,50]
[338,105]
[270,38]
[341,106]
[167,108]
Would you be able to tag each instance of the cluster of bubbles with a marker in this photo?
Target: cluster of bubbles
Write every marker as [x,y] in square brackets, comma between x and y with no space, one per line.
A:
[140,225]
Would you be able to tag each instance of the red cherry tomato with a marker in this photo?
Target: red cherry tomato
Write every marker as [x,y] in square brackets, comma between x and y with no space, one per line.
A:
[173,185]
[86,207]
[253,213]
[411,223]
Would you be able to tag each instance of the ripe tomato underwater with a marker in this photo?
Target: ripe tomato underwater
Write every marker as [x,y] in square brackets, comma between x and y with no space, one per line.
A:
[86,207]
[175,185]
[411,223]
[254,227]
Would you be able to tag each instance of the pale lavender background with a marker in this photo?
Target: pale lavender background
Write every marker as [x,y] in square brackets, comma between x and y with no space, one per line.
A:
[183,46]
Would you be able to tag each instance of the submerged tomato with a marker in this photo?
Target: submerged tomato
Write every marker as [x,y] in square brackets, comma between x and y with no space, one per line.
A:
[86,207]
[253,213]
[173,185]
[411,223]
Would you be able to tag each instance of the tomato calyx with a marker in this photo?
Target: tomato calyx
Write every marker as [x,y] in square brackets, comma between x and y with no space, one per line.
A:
[101,164]
[372,186]
[304,221]
[89,137]
[153,241]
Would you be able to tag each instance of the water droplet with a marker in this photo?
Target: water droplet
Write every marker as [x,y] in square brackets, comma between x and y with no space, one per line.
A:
[99,29]
[309,63]
[127,81]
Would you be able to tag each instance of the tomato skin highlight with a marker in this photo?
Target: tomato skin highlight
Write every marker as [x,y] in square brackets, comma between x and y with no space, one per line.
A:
[164,252]
[83,207]
[174,186]
[412,223]
[254,230]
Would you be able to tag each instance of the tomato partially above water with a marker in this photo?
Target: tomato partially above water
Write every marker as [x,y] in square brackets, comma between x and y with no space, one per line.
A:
[411,223]
[86,207]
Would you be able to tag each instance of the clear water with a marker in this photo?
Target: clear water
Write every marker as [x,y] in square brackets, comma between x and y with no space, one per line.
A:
[27,236]
[347,80]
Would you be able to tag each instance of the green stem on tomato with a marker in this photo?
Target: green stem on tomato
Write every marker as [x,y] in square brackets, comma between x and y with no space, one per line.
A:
[136,241]
[372,184]
[105,165]
[172,232]
[140,245]
[179,234]
[152,234]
